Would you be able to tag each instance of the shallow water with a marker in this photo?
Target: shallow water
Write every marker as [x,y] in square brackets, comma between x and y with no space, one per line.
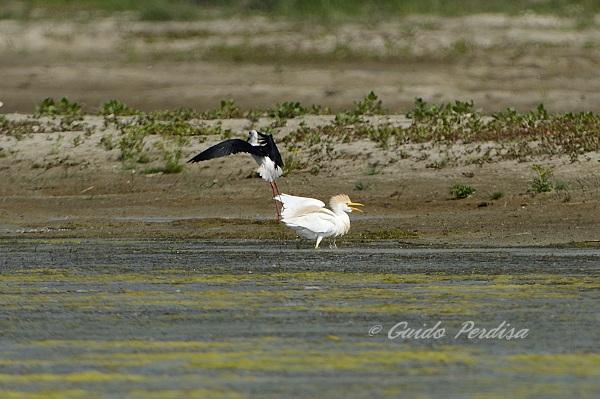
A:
[209,318]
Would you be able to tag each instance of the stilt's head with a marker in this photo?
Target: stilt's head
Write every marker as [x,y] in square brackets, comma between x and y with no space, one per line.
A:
[253,137]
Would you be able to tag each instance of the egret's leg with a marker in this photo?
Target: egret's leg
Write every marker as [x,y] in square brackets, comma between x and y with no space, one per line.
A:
[319,238]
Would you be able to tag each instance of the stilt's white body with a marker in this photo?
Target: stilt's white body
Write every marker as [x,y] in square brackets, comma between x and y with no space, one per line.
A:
[266,166]
[262,148]
[309,218]
[267,169]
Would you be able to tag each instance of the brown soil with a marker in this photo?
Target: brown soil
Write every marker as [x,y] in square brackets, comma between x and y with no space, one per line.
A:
[495,60]
[51,187]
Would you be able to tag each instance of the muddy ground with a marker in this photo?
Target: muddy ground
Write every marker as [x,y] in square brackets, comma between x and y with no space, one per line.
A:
[53,185]
[498,61]
[117,283]
[56,186]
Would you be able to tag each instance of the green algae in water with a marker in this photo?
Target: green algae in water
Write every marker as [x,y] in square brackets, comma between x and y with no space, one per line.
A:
[330,292]
[577,364]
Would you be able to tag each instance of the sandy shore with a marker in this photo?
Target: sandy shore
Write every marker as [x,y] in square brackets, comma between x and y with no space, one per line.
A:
[54,187]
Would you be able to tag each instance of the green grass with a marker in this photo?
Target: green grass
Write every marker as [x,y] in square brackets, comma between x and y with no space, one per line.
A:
[117,108]
[393,234]
[461,192]
[64,107]
[497,195]
[504,135]
[291,161]
[288,110]
[332,11]
[542,184]
[362,186]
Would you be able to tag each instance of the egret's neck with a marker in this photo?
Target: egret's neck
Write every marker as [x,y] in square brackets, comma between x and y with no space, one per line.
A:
[338,209]
[343,222]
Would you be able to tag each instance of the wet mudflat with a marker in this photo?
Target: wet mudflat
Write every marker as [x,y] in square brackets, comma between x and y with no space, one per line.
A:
[250,319]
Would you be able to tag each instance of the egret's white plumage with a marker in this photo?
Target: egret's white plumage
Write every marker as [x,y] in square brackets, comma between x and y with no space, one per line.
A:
[309,218]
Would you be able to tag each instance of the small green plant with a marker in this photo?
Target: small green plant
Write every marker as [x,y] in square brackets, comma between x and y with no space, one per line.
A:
[287,110]
[56,147]
[64,107]
[381,134]
[172,150]
[107,142]
[131,145]
[373,171]
[348,118]
[424,110]
[67,173]
[77,140]
[173,115]
[393,234]
[312,138]
[460,192]
[227,110]
[71,123]
[291,161]
[278,122]
[253,116]
[369,106]
[319,110]
[47,107]
[361,186]
[88,131]
[497,195]
[541,183]
[17,129]
[441,164]
[144,158]
[116,108]
[153,170]
[561,186]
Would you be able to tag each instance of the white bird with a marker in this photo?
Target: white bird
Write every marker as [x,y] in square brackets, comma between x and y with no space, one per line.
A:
[270,163]
[311,220]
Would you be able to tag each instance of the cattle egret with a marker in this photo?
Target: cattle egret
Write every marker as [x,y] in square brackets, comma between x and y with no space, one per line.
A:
[311,220]
[270,164]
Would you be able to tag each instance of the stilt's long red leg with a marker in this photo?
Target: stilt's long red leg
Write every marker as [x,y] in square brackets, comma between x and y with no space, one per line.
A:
[276,206]
[278,193]
[277,188]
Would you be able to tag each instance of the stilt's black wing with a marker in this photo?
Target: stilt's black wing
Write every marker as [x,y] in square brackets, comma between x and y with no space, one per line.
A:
[228,147]
[271,148]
